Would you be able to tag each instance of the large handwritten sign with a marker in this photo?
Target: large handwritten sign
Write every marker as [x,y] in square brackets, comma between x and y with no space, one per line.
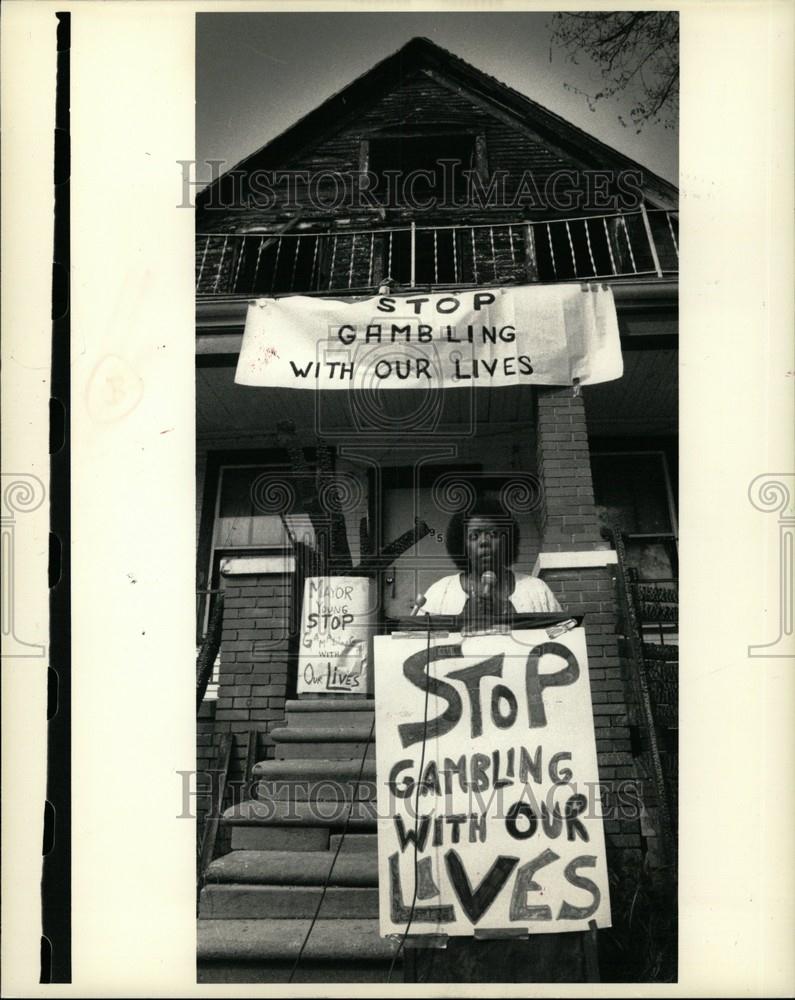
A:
[488,808]
[336,627]
[541,334]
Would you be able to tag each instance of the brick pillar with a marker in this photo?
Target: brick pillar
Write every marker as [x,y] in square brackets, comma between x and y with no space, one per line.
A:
[568,517]
[575,561]
[253,678]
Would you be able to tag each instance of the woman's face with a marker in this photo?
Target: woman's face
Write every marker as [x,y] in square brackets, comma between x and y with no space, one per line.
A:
[486,544]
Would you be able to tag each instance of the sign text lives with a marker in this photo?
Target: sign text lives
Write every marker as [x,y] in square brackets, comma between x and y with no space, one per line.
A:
[492,738]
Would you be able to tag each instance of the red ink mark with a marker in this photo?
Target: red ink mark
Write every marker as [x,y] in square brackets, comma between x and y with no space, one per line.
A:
[270,352]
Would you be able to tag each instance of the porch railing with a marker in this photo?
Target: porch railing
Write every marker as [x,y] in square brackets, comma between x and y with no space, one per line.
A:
[643,243]
[209,624]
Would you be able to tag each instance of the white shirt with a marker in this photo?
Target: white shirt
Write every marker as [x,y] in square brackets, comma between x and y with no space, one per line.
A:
[448,597]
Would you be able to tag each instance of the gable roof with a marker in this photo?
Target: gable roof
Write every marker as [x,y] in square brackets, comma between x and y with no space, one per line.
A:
[422,54]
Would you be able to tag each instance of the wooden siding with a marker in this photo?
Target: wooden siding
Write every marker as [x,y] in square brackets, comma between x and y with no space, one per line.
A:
[419,103]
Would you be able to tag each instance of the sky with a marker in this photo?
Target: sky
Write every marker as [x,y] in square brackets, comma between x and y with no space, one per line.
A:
[257,74]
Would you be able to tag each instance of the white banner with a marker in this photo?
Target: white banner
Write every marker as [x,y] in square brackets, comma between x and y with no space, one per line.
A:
[492,738]
[336,628]
[527,334]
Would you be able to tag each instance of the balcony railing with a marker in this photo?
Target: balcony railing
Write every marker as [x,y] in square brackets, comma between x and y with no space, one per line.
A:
[643,243]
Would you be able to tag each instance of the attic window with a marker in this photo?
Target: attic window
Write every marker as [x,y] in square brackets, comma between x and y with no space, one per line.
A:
[393,159]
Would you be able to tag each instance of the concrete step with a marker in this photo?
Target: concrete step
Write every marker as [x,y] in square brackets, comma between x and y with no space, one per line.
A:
[325,751]
[357,730]
[311,769]
[333,703]
[308,839]
[355,843]
[319,712]
[312,790]
[307,972]
[274,940]
[301,814]
[357,868]
[290,902]
[320,720]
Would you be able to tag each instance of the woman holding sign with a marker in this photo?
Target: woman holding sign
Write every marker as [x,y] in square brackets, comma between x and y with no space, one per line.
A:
[483,542]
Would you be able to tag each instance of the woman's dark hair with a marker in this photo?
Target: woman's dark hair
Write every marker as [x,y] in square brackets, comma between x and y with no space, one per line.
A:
[485,507]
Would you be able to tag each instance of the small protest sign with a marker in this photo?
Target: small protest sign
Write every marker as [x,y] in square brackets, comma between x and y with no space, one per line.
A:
[336,629]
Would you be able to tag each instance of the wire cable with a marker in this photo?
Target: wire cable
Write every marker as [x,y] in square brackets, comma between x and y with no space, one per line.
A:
[416,812]
[354,800]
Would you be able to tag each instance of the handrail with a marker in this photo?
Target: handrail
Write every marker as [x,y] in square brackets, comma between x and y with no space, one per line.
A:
[211,644]
[207,847]
[641,683]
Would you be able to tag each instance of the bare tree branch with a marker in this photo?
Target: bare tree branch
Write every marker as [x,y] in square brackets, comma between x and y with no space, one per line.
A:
[637,52]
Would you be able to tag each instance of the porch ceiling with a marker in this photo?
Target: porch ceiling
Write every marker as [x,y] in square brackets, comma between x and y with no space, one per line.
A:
[224,409]
[643,402]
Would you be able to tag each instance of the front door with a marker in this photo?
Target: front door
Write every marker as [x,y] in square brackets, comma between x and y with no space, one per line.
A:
[426,562]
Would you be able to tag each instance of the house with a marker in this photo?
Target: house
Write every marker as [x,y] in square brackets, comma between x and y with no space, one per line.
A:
[424,174]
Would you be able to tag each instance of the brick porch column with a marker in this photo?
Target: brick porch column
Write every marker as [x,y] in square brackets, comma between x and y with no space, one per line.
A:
[578,565]
[253,680]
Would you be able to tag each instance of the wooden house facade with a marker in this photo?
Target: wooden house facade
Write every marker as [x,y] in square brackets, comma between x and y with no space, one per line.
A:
[424,174]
